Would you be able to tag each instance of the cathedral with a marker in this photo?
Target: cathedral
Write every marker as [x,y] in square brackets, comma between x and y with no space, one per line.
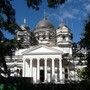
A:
[43,62]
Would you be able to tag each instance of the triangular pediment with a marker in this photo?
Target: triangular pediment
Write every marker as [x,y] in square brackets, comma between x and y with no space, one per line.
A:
[42,50]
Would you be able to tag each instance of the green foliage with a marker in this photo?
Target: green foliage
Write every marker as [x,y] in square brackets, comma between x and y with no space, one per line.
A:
[7,17]
[48,86]
[85,42]
[81,73]
[35,4]
[6,48]
[1,86]
[7,22]
[55,3]
[7,87]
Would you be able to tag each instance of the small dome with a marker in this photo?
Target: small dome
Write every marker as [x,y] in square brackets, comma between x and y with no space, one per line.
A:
[63,28]
[62,25]
[44,24]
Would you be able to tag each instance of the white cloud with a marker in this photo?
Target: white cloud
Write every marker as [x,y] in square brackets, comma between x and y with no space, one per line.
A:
[68,15]
[71,12]
[62,16]
[87,7]
[75,11]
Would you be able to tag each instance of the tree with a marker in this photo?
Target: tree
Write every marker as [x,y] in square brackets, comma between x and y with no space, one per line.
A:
[81,73]
[51,3]
[7,23]
[85,42]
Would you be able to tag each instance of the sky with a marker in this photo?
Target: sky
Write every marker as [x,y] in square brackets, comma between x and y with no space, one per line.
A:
[73,13]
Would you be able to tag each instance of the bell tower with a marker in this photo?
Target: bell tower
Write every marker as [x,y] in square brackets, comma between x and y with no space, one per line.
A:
[64,38]
[23,35]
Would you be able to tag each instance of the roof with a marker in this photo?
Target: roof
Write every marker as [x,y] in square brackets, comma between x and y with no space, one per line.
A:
[44,23]
[42,49]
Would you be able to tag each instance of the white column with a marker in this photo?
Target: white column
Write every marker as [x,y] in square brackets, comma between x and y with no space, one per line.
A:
[15,68]
[27,68]
[30,68]
[23,67]
[47,35]
[60,69]
[38,70]
[45,68]
[53,70]
[28,62]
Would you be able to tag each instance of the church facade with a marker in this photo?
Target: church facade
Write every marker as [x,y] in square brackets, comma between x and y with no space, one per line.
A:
[43,62]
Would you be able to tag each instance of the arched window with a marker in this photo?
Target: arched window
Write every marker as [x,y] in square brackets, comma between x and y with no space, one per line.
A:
[17,70]
[38,37]
[44,36]
[63,37]
[51,35]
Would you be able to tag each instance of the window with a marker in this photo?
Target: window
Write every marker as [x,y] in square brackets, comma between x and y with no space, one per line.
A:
[38,37]
[44,36]
[20,72]
[66,73]
[63,37]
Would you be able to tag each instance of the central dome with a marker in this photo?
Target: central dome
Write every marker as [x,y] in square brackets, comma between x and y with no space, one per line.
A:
[44,24]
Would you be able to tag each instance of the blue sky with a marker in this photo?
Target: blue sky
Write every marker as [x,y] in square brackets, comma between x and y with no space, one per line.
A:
[73,13]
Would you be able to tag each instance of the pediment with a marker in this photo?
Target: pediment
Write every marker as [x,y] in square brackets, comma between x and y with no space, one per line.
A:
[42,50]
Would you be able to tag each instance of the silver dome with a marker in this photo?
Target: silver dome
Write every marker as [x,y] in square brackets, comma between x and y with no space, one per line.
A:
[44,24]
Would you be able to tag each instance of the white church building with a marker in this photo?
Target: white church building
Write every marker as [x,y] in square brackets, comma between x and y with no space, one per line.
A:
[43,62]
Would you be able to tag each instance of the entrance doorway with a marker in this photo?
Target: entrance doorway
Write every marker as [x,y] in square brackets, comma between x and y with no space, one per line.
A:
[41,75]
[66,73]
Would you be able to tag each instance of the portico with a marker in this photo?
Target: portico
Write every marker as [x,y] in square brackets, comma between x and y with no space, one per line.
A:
[43,66]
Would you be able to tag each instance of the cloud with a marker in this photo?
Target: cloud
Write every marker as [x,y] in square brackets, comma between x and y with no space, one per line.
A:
[71,13]
[68,15]
[65,14]
[75,11]
[62,16]
[87,7]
